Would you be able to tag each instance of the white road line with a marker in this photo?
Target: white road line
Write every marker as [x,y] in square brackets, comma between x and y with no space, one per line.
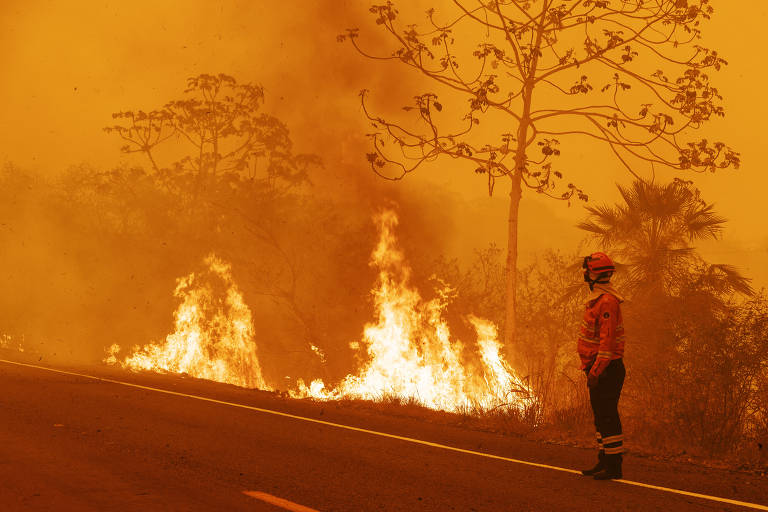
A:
[279,502]
[754,506]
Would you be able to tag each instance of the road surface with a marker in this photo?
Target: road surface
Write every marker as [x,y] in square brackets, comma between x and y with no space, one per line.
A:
[69,442]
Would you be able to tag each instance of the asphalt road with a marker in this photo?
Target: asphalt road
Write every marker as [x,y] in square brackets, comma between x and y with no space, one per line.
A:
[73,443]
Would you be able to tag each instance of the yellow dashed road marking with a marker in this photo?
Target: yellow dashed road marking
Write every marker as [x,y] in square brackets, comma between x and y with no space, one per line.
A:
[278,502]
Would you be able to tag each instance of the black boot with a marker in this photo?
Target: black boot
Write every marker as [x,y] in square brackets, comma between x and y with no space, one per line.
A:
[611,469]
[598,467]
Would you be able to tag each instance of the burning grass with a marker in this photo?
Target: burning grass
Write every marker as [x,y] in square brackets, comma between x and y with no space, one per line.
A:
[410,363]
[213,337]
[408,354]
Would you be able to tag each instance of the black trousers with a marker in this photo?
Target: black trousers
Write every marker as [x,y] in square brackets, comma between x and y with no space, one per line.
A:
[605,406]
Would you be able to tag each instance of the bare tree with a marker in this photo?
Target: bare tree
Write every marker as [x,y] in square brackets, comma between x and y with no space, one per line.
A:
[629,74]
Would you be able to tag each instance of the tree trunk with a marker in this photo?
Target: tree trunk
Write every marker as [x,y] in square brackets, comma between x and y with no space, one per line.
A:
[515,195]
[516,192]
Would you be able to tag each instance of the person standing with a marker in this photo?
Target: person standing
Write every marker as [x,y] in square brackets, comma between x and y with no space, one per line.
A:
[601,350]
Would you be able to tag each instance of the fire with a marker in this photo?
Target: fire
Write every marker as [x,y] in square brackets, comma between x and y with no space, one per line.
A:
[213,337]
[410,354]
[9,342]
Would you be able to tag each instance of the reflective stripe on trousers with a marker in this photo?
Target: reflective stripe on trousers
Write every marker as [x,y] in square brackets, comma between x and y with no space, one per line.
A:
[604,399]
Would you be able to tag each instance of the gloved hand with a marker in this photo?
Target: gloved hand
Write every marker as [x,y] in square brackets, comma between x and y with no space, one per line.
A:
[592,380]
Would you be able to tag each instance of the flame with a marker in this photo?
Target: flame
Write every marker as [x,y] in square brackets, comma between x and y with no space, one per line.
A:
[213,337]
[112,352]
[504,386]
[410,354]
[318,351]
[11,343]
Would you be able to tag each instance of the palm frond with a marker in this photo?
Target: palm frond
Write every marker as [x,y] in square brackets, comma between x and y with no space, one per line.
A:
[701,222]
[730,280]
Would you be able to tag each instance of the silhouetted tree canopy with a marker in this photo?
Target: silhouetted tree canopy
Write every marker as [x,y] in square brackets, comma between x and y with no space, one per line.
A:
[216,129]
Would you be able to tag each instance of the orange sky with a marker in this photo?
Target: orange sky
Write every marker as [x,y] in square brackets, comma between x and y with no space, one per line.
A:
[68,64]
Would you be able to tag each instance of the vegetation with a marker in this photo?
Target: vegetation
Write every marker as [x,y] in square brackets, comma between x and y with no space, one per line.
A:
[697,348]
[93,255]
[516,78]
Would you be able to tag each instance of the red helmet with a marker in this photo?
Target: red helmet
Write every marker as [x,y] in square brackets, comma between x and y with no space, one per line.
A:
[598,263]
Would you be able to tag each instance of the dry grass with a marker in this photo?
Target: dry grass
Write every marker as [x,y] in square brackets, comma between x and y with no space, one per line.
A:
[561,415]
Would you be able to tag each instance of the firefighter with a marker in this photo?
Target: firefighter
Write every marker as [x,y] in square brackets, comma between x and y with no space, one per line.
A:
[601,350]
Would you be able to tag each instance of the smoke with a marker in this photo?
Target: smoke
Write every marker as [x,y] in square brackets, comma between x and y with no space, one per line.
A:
[92,251]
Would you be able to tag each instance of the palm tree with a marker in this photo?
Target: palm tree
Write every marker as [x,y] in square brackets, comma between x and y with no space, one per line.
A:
[651,234]
[685,320]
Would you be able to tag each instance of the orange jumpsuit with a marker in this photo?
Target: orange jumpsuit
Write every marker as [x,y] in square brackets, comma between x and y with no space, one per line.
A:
[601,350]
[602,333]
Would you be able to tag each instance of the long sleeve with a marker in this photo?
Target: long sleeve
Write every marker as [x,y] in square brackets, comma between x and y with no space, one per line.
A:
[608,319]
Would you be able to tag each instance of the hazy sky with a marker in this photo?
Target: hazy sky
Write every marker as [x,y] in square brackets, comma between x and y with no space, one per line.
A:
[66,65]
